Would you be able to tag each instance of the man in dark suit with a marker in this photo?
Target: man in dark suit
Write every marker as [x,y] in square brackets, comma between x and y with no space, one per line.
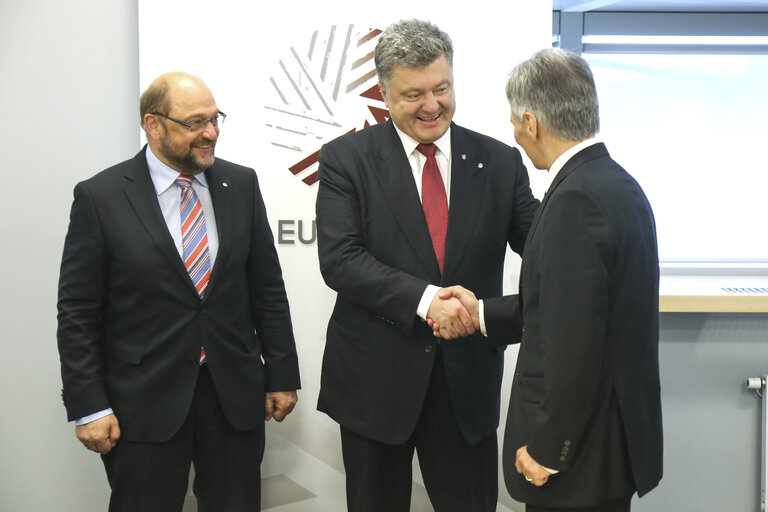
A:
[583,431]
[387,239]
[174,333]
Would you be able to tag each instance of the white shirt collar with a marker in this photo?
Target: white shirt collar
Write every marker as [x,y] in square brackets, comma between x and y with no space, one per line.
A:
[409,144]
[558,164]
[163,176]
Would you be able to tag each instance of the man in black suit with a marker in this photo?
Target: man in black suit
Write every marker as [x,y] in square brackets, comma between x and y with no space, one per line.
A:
[387,239]
[583,431]
[174,333]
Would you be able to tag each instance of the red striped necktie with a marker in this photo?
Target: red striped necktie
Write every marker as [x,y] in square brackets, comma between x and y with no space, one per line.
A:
[194,238]
[434,201]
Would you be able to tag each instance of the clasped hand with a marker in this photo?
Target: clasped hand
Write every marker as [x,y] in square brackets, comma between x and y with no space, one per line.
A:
[453,313]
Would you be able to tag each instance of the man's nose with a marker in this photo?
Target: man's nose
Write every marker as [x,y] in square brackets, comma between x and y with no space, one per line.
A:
[430,103]
[210,131]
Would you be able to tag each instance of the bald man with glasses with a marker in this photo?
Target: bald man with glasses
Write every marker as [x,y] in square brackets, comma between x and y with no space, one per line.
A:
[174,333]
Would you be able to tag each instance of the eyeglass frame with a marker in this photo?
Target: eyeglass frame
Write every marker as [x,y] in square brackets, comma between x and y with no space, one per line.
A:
[201,123]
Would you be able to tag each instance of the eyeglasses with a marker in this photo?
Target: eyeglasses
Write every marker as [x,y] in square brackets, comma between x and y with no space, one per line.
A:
[196,126]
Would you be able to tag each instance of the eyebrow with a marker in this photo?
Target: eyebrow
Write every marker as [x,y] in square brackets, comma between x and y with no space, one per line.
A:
[199,116]
[417,89]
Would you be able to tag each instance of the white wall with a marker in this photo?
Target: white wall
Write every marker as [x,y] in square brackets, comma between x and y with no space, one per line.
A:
[69,93]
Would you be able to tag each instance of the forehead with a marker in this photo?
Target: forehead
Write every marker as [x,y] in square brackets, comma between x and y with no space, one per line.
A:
[427,77]
[189,97]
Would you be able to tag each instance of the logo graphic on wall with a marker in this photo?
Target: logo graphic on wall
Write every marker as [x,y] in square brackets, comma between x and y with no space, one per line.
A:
[323,88]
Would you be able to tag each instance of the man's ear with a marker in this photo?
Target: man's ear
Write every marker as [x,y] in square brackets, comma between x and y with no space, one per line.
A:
[531,124]
[383,92]
[153,126]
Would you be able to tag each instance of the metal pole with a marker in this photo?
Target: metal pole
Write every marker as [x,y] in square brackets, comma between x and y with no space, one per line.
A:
[758,384]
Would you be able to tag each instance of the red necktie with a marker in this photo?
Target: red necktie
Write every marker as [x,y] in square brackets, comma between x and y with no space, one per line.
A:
[434,201]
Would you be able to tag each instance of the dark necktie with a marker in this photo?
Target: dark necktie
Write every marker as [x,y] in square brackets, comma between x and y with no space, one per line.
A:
[434,202]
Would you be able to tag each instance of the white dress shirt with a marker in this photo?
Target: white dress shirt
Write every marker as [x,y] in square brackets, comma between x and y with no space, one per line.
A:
[417,161]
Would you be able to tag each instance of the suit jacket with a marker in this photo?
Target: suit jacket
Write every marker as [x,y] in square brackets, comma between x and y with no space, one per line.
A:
[585,395]
[131,323]
[376,252]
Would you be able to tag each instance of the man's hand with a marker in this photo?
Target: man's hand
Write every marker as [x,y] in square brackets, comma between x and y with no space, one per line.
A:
[468,301]
[530,469]
[100,435]
[449,318]
[279,404]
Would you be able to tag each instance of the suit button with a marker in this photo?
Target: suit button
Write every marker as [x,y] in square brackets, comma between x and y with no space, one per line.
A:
[562,458]
[567,442]
[428,349]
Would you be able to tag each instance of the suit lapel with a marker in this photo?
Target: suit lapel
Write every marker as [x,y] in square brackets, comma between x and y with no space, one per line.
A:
[222,206]
[142,196]
[467,164]
[393,172]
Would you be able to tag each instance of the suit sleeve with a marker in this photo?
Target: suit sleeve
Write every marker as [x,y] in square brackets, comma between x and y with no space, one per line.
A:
[82,288]
[503,315]
[345,262]
[575,260]
[269,304]
[503,320]
[524,207]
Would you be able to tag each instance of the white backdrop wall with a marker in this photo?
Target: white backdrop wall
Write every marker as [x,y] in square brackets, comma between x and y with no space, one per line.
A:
[290,77]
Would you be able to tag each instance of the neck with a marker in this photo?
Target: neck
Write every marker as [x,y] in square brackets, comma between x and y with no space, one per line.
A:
[556,147]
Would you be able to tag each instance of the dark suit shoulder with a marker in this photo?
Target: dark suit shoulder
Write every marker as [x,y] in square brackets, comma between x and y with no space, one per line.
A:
[226,165]
[597,174]
[110,175]
[225,170]
[365,138]
[479,140]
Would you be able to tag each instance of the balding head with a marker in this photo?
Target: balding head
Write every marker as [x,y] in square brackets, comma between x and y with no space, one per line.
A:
[169,89]
[181,120]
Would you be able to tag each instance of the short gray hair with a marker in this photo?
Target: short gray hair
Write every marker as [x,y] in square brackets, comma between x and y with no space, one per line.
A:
[558,88]
[410,43]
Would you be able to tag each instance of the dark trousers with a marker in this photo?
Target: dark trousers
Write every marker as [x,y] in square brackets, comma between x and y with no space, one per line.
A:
[153,477]
[617,505]
[458,477]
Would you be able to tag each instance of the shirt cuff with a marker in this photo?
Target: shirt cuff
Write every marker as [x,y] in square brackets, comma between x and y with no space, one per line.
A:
[481,314]
[93,417]
[426,301]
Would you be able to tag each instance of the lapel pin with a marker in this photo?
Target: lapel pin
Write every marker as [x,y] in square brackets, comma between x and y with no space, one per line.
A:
[224,183]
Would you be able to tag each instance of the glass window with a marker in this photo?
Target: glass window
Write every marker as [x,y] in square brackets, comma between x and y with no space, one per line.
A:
[691,128]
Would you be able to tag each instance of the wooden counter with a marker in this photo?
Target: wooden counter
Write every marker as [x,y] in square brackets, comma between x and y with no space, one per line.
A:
[713,294]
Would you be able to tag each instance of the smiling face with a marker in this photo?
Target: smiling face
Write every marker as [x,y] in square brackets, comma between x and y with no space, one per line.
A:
[421,101]
[182,150]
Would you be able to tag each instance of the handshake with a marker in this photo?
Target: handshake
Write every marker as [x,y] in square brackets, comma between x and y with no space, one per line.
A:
[453,313]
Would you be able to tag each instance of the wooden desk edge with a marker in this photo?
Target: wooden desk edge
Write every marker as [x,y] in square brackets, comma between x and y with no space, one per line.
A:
[713,303]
